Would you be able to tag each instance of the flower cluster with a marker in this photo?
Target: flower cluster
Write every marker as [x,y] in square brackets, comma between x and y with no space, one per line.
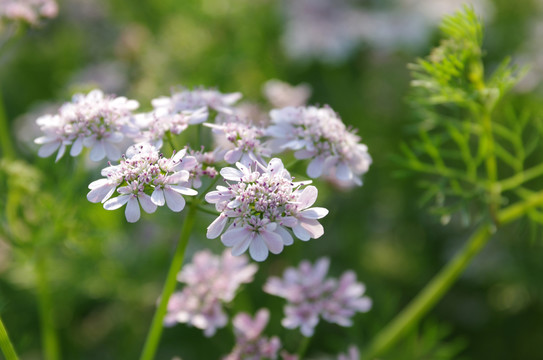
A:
[250,344]
[191,100]
[144,176]
[204,167]
[319,134]
[281,94]
[29,11]
[263,202]
[310,296]
[210,281]
[94,120]
[241,141]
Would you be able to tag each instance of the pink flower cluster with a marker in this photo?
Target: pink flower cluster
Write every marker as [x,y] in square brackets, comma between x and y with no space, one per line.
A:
[204,168]
[210,281]
[29,11]
[319,134]
[262,203]
[310,295]
[144,177]
[250,344]
[94,120]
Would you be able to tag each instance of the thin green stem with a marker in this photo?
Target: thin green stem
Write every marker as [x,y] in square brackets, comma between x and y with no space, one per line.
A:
[48,332]
[522,177]
[302,348]
[437,287]
[8,150]
[5,344]
[155,331]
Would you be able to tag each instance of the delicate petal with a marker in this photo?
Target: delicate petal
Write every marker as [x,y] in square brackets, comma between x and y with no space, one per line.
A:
[231,156]
[216,227]
[231,174]
[98,152]
[174,200]
[132,211]
[116,202]
[343,172]
[77,147]
[101,193]
[314,213]
[234,236]
[301,233]
[308,197]
[258,249]
[112,152]
[273,241]
[242,246]
[48,149]
[147,203]
[183,190]
[285,235]
[158,196]
[313,227]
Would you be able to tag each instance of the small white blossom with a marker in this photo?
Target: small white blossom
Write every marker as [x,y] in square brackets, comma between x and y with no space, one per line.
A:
[310,295]
[281,94]
[94,120]
[144,178]
[319,134]
[204,168]
[262,202]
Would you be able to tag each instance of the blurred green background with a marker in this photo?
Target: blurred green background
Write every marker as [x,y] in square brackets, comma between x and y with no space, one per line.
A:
[105,274]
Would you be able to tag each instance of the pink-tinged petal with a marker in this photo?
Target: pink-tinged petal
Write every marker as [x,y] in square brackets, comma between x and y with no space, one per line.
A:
[234,236]
[61,152]
[285,235]
[101,193]
[304,154]
[189,162]
[343,172]
[77,147]
[98,183]
[313,227]
[308,197]
[116,202]
[198,116]
[258,249]
[216,227]
[115,137]
[132,211]
[48,149]
[289,221]
[147,203]
[314,213]
[178,177]
[45,140]
[98,152]
[233,155]
[112,152]
[231,174]
[213,197]
[273,241]
[182,190]
[179,155]
[275,166]
[158,196]
[242,246]
[301,233]
[314,170]
[231,98]
[174,200]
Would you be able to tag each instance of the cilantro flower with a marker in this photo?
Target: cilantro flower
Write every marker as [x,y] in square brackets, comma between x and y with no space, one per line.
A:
[144,177]
[261,203]
[319,134]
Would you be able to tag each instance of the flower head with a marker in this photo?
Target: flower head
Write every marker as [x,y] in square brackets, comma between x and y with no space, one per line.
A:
[250,344]
[29,11]
[281,94]
[205,167]
[311,296]
[260,203]
[94,120]
[319,134]
[144,177]
[210,281]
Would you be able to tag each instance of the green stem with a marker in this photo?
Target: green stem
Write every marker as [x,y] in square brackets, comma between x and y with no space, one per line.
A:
[522,177]
[304,344]
[5,135]
[48,332]
[155,331]
[437,287]
[5,344]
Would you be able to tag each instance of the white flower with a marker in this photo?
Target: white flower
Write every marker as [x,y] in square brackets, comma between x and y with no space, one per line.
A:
[142,172]
[93,120]
[319,134]
[263,202]
[281,94]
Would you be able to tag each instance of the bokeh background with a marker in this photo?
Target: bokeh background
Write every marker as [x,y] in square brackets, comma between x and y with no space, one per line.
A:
[105,274]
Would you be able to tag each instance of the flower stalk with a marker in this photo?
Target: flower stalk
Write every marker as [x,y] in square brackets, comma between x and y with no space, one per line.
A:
[155,331]
[5,344]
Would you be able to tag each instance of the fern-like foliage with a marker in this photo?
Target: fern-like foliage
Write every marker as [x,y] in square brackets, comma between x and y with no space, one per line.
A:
[477,150]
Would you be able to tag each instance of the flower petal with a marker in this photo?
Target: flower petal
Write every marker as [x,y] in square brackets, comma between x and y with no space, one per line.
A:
[77,146]
[231,174]
[98,151]
[158,196]
[116,202]
[242,246]
[216,227]
[233,155]
[132,211]
[285,235]
[48,149]
[112,152]
[314,213]
[182,190]
[313,227]
[101,193]
[174,200]
[258,249]
[308,197]
[233,236]
[273,241]
[147,203]
[314,170]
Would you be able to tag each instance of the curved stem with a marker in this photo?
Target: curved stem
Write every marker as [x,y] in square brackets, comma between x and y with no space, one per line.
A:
[5,344]
[437,287]
[48,333]
[155,331]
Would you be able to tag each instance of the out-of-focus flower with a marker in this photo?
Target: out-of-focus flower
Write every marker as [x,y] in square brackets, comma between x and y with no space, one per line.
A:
[241,141]
[319,134]
[310,295]
[210,281]
[141,172]
[250,344]
[281,94]
[94,120]
[29,11]
[320,29]
[352,354]
[263,202]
